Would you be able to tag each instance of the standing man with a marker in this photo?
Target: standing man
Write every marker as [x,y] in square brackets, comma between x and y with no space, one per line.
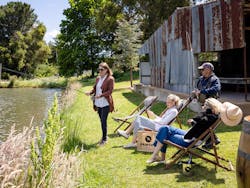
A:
[207,86]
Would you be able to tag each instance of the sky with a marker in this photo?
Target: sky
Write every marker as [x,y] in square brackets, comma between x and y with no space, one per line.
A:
[49,12]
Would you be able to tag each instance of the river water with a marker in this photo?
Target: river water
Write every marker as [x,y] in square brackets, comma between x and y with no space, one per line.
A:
[19,105]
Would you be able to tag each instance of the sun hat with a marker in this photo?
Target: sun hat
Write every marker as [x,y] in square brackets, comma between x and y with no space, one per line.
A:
[214,104]
[206,65]
[231,114]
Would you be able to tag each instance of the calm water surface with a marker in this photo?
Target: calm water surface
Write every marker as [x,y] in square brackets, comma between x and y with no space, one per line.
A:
[18,106]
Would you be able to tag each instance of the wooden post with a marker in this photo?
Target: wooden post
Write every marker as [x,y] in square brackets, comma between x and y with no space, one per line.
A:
[0,71]
[131,77]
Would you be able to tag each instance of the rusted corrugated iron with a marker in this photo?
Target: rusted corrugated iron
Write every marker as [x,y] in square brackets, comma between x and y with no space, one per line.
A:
[214,26]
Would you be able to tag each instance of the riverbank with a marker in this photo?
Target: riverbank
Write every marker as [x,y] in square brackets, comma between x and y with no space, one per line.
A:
[34,158]
[48,82]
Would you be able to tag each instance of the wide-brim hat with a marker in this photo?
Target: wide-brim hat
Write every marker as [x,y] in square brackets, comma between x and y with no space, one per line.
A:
[231,114]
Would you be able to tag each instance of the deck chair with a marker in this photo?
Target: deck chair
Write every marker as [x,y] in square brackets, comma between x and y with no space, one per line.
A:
[141,108]
[195,149]
[144,143]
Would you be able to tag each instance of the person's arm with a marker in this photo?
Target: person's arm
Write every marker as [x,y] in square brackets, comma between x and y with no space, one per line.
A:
[214,88]
[93,89]
[151,114]
[167,118]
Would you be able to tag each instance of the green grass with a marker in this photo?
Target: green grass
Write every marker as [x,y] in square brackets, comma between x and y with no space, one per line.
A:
[46,82]
[113,166]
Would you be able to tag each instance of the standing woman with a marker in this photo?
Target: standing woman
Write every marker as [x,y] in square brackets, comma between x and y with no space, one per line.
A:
[103,101]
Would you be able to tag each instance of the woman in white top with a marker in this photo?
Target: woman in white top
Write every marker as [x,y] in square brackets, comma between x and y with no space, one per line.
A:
[155,124]
[103,102]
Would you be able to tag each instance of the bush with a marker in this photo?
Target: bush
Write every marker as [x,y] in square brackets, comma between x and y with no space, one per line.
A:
[45,70]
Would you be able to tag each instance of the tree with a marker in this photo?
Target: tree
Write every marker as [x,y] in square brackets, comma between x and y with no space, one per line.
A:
[21,38]
[154,12]
[15,16]
[106,22]
[127,43]
[79,44]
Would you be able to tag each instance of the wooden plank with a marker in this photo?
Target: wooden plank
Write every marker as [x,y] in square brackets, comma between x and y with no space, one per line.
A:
[234,80]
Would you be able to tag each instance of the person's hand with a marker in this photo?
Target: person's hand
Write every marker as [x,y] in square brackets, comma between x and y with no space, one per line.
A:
[196,92]
[189,121]
[150,113]
[97,96]
[87,93]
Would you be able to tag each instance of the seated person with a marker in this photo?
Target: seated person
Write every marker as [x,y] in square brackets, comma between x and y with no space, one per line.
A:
[207,86]
[142,122]
[183,138]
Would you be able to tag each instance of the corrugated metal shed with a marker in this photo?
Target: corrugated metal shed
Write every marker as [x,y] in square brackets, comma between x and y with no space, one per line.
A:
[214,26]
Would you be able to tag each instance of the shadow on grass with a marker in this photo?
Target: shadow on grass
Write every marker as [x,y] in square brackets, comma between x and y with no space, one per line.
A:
[76,144]
[113,135]
[199,173]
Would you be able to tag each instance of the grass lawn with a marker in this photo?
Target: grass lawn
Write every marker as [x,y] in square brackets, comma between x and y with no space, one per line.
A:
[113,166]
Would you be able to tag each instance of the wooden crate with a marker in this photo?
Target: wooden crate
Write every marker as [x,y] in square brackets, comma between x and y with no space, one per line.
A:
[145,141]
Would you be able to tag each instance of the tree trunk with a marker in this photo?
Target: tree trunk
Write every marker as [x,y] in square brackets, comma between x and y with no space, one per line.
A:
[131,77]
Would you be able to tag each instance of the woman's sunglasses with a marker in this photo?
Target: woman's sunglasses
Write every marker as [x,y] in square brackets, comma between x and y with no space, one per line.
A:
[100,69]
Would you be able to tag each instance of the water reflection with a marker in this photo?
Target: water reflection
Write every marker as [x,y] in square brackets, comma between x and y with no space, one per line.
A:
[17,106]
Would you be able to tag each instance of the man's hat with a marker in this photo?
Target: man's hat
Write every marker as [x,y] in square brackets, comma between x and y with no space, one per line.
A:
[231,114]
[206,65]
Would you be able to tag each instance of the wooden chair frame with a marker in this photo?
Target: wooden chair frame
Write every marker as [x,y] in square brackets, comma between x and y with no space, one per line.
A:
[140,109]
[194,149]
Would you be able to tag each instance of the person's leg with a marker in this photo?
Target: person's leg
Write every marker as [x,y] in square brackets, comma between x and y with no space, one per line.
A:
[159,145]
[153,157]
[130,129]
[209,145]
[103,114]
[141,123]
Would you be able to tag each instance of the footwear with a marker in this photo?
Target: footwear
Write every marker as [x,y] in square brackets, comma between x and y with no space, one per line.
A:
[123,133]
[157,159]
[130,145]
[209,145]
[102,143]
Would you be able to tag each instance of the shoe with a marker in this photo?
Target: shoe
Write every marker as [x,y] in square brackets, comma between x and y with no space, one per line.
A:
[157,159]
[123,133]
[130,145]
[209,145]
[102,143]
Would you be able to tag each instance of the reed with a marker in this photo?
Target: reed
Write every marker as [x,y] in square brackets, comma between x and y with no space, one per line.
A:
[33,157]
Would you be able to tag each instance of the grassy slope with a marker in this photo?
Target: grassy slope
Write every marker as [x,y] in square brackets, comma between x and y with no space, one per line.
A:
[113,166]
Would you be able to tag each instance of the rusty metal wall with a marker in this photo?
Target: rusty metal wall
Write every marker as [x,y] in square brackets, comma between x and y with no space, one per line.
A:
[214,26]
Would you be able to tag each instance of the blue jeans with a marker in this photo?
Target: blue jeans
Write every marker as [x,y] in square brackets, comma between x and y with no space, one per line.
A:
[103,115]
[172,134]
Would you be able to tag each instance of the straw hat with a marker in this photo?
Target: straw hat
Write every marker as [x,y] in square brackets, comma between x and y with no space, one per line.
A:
[214,104]
[231,114]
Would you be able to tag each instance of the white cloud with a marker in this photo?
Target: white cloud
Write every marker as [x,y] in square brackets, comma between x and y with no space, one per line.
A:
[50,35]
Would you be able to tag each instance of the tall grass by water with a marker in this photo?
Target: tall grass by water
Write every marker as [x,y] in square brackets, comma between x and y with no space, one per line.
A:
[34,158]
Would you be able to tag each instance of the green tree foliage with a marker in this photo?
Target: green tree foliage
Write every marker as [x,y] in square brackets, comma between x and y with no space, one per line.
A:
[127,44]
[88,32]
[15,16]
[154,12]
[79,44]
[21,38]
[106,22]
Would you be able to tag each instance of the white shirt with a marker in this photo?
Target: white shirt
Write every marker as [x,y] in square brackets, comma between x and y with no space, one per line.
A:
[168,116]
[102,101]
